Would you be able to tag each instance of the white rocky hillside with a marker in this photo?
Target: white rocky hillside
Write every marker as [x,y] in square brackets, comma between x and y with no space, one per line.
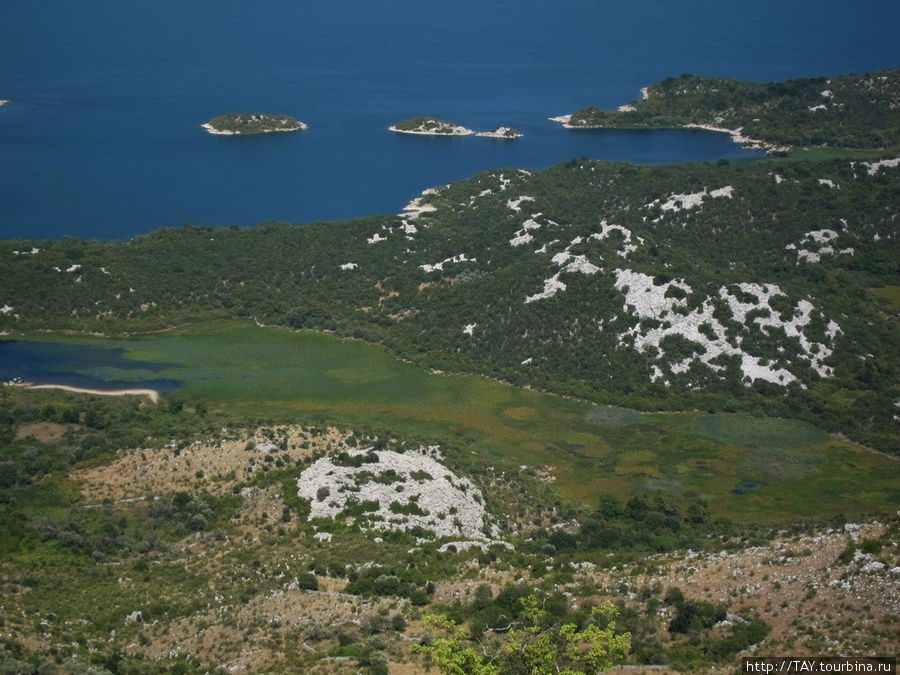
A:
[396,491]
[723,326]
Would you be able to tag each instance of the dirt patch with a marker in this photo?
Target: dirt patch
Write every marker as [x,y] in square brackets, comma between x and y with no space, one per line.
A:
[279,619]
[214,466]
[45,432]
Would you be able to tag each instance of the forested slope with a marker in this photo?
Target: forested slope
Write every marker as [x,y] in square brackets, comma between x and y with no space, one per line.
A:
[728,286]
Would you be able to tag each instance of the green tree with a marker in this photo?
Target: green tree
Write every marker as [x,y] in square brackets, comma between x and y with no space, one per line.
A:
[541,647]
[544,648]
[448,653]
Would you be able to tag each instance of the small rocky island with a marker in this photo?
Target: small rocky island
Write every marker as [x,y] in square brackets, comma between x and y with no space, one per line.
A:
[507,133]
[430,126]
[245,124]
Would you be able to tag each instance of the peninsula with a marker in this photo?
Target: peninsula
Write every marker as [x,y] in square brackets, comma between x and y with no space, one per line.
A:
[245,124]
[851,111]
[430,126]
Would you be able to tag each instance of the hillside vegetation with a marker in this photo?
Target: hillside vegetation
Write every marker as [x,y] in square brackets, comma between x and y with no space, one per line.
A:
[172,538]
[851,111]
[714,286]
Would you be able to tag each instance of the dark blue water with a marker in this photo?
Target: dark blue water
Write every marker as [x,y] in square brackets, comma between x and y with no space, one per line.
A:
[745,487]
[79,366]
[101,138]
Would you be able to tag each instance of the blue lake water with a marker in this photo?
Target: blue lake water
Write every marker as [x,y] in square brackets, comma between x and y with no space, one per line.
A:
[101,138]
[79,366]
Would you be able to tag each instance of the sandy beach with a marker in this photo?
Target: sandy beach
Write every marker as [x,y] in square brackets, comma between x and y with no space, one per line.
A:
[152,394]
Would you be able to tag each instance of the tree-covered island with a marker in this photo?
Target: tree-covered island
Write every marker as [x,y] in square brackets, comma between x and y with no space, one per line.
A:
[851,111]
[245,124]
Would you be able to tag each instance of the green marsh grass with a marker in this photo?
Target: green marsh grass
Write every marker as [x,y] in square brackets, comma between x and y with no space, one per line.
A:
[275,374]
[759,432]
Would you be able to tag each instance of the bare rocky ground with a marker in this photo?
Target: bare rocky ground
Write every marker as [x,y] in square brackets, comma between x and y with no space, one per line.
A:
[831,592]
[816,603]
[213,466]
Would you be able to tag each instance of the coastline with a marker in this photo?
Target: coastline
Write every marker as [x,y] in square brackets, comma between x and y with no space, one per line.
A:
[738,137]
[152,394]
[562,119]
[736,134]
[217,132]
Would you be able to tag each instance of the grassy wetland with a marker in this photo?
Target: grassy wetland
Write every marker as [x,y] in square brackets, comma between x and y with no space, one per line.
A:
[271,373]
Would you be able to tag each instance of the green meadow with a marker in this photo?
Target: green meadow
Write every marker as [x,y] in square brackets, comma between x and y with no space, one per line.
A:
[747,468]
